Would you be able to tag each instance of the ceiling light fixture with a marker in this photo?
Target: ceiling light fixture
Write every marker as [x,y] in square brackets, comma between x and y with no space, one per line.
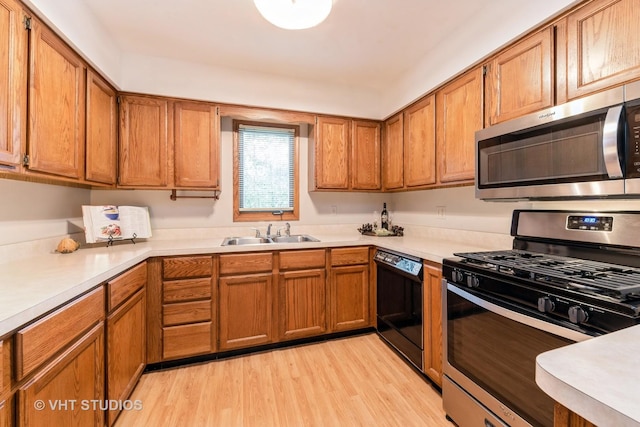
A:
[294,14]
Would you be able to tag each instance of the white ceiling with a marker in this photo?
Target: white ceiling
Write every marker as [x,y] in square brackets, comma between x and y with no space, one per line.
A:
[362,42]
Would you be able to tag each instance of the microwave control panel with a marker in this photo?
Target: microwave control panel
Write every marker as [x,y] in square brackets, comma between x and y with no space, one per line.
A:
[633,148]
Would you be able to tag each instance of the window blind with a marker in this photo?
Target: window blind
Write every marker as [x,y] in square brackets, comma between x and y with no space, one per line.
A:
[266,168]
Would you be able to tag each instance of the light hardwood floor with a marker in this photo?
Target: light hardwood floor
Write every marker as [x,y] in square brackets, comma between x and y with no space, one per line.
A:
[356,381]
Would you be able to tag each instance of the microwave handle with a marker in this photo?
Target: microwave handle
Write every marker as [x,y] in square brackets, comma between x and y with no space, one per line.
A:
[610,142]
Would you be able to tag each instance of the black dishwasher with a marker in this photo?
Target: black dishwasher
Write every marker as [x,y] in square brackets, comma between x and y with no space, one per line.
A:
[399,303]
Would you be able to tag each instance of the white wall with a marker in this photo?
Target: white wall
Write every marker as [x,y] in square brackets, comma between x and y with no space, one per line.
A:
[33,211]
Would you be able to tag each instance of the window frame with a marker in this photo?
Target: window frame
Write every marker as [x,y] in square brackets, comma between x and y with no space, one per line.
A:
[239,216]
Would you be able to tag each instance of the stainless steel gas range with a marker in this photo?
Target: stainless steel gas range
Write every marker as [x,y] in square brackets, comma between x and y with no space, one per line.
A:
[569,276]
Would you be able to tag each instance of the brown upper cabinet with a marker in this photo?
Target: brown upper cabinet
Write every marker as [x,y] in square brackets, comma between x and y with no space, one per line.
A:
[598,47]
[420,143]
[332,153]
[346,154]
[519,79]
[365,155]
[13,84]
[459,112]
[102,131]
[197,145]
[393,153]
[144,142]
[56,106]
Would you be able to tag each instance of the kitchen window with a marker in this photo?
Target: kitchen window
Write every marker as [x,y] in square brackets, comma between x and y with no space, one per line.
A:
[265,171]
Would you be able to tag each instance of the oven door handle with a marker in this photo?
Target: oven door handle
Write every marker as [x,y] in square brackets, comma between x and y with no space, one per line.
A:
[552,328]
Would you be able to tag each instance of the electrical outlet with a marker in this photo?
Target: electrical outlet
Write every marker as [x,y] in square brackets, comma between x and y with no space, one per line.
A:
[441,212]
[334,210]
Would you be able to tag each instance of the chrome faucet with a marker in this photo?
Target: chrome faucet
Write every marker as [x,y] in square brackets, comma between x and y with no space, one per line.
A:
[286,228]
[269,230]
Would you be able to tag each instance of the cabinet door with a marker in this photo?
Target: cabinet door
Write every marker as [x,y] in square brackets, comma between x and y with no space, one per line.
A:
[459,112]
[332,153]
[54,397]
[13,82]
[102,131]
[365,155]
[144,142]
[520,79]
[126,350]
[302,303]
[420,143]
[393,153]
[563,417]
[602,46]
[349,297]
[56,105]
[6,416]
[246,304]
[197,145]
[432,321]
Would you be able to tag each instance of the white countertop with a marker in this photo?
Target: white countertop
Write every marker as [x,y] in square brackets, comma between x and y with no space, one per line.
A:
[31,287]
[598,379]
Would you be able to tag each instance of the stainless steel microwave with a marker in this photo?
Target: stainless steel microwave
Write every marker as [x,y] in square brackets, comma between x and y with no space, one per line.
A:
[589,147]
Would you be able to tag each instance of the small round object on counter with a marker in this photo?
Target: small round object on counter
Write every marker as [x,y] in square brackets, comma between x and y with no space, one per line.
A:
[67,245]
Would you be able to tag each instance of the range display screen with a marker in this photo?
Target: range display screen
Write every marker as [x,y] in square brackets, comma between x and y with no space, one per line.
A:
[590,223]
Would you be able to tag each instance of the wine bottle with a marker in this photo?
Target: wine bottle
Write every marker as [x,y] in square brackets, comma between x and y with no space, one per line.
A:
[384,217]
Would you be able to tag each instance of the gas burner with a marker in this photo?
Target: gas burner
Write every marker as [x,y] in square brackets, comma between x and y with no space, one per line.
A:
[570,273]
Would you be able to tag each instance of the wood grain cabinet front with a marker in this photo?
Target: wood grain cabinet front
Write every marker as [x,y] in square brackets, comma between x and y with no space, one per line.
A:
[349,289]
[102,131]
[126,352]
[196,145]
[55,395]
[459,114]
[346,155]
[188,306]
[419,139]
[520,78]
[57,84]
[432,321]
[13,84]
[393,153]
[145,141]
[597,47]
[302,294]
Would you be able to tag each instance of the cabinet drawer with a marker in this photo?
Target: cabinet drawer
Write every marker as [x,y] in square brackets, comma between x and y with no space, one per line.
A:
[41,340]
[186,290]
[186,312]
[349,256]
[291,260]
[186,340]
[246,263]
[184,267]
[125,285]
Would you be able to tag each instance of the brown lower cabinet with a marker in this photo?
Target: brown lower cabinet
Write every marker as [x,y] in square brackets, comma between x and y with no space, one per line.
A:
[563,417]
[302,294]
[6,414]
[126,350]
[349,289]
[432,321]
[68,391]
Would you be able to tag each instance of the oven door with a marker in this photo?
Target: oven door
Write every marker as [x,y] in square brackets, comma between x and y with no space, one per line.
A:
[490,352]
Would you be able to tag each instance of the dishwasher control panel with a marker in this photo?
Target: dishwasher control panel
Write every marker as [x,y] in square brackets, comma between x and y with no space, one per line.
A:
[401,262]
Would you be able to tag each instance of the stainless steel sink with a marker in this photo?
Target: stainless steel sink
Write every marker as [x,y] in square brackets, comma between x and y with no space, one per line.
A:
[229,241]
[295,238]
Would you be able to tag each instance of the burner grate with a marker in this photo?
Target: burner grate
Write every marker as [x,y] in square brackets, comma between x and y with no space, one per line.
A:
[592,276]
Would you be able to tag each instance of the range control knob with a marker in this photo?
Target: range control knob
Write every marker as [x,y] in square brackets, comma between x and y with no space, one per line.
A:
[545,305]
[577,314]
[473,281]
[457,276]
